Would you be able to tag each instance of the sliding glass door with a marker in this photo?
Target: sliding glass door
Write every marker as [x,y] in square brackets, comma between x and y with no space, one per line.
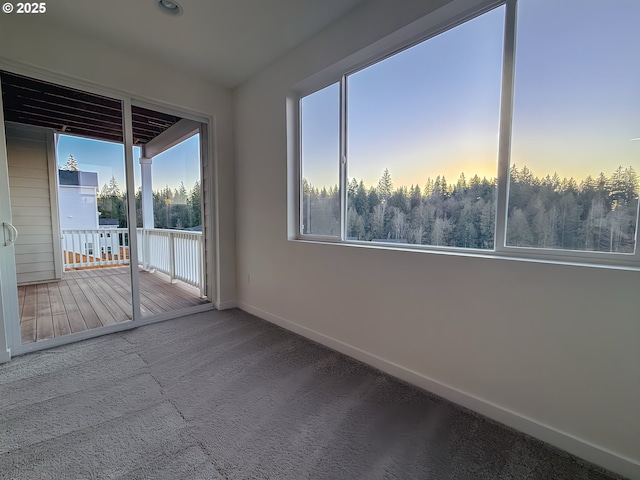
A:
[104,223]
[8,290]
[96,287]
[169,212]
[66,175]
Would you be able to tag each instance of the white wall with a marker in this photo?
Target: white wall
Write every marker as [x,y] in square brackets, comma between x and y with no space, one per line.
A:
[78,208]
[38,43]
[549,349]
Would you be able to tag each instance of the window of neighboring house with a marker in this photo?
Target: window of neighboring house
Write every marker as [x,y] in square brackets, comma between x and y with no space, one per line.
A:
[88,248]
[459,142]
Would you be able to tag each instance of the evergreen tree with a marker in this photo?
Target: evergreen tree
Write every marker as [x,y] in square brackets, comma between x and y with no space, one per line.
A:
[113,187]
[597,214]
[70,164]
[385,185]
[195,205]
[519,233]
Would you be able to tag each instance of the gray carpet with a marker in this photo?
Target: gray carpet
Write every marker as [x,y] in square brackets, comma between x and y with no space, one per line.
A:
[225,395]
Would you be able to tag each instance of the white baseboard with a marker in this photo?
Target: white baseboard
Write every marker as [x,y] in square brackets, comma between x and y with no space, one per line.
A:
[226,305]
[5,355]
[588,451]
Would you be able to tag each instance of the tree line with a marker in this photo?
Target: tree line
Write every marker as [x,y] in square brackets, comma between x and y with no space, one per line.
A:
[595,214]
[176,209]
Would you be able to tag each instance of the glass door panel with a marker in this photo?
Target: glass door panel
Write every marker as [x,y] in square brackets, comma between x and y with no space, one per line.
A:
[67,188]
[169,208]
[95,240]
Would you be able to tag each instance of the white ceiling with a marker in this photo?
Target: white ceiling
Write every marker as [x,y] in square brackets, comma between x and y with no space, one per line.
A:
[225,41]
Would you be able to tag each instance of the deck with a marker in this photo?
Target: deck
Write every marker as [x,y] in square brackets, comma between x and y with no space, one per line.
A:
[88,299]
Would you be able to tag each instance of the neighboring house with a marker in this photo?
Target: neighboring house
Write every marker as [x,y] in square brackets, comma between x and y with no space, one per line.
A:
[78,204]
[108,223]
[78,200]
[110,240]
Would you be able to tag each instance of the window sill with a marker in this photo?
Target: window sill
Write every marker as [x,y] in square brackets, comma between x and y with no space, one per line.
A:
[566,258]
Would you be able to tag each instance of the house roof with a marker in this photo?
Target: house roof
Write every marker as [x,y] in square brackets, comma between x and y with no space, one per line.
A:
[78,178]
[108,222]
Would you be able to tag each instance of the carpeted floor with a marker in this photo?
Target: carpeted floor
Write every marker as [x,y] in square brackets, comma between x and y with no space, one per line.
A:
[224,395]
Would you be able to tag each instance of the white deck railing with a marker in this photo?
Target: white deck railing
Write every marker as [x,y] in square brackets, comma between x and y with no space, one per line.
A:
[176,253]
[95,248]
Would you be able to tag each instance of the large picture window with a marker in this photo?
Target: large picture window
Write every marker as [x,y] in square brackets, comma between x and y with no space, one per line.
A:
[576,118]
[422,140]
[515,132]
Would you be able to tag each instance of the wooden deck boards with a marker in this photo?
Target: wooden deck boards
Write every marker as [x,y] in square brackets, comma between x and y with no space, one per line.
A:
[88,299]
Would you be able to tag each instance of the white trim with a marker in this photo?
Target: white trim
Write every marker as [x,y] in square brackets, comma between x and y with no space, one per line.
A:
[570,443]
[9,309]
[169,109]
[129,162]
[5,354]
[226,305]
[209,205]
[342,161]
[172,136]
[294,178]
[506,115]
[52,159]
[559,259]
[319,238]
[297,134]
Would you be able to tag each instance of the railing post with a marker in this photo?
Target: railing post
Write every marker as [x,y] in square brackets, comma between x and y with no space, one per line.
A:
[73,246]
[65,254]
[172,260]
[144,249]
[146,253]
[201,265]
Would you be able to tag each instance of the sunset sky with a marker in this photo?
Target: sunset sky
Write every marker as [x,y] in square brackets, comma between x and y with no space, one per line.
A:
[180,163]
[433,109]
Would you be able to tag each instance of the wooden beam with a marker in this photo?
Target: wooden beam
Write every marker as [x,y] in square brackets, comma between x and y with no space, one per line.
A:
[171,137]
[35,102]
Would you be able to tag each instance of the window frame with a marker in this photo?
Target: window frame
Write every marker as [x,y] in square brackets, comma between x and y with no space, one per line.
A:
[300,192]
[500,249]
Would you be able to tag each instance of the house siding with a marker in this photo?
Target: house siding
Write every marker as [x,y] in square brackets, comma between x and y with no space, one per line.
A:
[29,186]
[78,208]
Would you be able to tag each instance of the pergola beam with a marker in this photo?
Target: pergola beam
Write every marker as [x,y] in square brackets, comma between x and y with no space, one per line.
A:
[172,136]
